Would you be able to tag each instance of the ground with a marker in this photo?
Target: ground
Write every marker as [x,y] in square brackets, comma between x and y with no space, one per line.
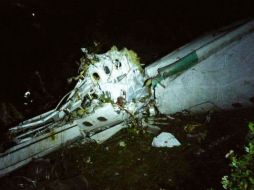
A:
[128,161]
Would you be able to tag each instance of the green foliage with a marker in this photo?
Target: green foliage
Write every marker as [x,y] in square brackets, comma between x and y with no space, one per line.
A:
[242,167]
[105,99]
[251,127]
[131,55]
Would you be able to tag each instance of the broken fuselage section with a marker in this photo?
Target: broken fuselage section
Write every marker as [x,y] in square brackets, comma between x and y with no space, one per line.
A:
[109,94]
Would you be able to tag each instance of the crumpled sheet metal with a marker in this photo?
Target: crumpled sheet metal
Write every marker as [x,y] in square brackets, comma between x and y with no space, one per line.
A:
[105,96]
[115,73]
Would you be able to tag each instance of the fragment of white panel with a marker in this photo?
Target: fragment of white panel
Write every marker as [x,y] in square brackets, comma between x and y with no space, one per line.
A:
[102,117]
[108,133]
[165,139]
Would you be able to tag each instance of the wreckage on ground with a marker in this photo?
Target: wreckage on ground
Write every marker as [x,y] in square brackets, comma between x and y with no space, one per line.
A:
[113,92]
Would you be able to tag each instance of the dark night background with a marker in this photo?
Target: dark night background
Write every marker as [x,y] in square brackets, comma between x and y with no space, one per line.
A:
[41,40]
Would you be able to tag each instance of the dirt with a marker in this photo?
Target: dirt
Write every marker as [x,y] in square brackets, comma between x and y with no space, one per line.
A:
[128,161]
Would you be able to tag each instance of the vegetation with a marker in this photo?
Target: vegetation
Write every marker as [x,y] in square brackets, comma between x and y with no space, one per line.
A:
[242,167]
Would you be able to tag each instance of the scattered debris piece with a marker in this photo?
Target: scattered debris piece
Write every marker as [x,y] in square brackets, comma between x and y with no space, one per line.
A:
[192,128]
[88,161]
[165,139]
[122,144]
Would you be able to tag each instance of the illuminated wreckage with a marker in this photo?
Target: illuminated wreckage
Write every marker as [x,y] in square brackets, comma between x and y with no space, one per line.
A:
[113,91]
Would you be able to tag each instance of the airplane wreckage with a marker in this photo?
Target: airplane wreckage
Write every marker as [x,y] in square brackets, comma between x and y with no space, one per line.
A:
[113,91]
